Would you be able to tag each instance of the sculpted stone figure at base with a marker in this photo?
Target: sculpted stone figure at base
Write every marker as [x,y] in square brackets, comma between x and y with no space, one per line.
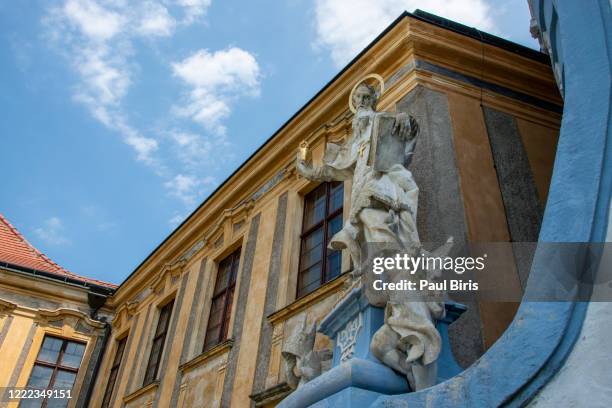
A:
[383,209]
[300,361]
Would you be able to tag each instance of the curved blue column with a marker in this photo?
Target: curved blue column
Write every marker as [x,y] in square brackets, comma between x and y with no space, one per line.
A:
[579,37]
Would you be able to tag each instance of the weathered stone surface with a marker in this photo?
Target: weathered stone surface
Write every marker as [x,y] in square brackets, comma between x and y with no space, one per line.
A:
[265,339]
[243,290]
[135,372]
[517,185]
[178,304]
[301,362]
[5,328]
[19,364]
[90,373]
[441,211]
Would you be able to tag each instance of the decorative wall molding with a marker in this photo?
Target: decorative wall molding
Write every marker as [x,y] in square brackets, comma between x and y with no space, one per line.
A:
[219,349]
[6,307]
[307,301]
[195,248]
[238,226]
[141,391]
[72,317]
[124,313]
[218,242]
[214,236]
[168,275]
[271,395]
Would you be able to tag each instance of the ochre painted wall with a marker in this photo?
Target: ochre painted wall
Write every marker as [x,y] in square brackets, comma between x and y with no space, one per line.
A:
[32,308]
[245,211]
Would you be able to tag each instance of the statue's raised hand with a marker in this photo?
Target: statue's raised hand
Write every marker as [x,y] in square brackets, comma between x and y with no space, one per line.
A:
[405,126]
[303,168]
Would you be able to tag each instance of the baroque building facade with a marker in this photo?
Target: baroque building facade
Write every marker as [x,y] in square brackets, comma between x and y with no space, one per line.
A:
[202,321]
[53,323]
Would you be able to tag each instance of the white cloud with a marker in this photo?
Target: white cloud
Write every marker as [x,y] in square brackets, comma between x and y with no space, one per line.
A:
[193,149]
[104,74]
[188,188]
[52,232]
[193,9]
[156,20]
[143,146]
[345,27]
[95,37]
[93,20]
[99,39]
[216,78]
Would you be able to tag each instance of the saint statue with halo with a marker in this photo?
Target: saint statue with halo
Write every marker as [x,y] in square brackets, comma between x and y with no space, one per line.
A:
[383,210]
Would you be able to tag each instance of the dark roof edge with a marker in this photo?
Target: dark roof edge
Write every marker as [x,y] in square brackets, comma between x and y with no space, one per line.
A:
[91,287]
[482,36]
[418,14]
[284,125]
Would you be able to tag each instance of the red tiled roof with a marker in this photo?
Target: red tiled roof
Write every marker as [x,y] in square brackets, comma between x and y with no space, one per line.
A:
[16,250]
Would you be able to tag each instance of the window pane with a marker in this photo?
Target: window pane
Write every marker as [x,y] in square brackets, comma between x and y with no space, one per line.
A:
[156,348]
[40,377]
[314,254]
[307,289]
[235,264]
[312,257]
[216,311]
[153,361]
[228,313]
[64,380]
[31,403]
[50,350]
[310,275]
[164,318]
[119,352]
[313,239]
[312,249]
[109,387]
[337,196]
[221,306]
[158,343]
[223,276]
[212,337]
[314,206]
[57,403]
[334,258]
[72,355]
[334,225]
[112,377]
[149,375]
[334,264]
[310,279]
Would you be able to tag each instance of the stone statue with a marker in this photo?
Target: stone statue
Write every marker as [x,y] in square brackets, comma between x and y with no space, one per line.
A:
[300,361]
[383,210]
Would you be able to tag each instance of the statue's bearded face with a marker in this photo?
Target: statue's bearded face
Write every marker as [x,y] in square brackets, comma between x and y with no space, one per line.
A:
[364,97]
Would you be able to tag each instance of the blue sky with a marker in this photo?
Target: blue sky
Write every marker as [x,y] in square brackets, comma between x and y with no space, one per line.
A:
[119,117]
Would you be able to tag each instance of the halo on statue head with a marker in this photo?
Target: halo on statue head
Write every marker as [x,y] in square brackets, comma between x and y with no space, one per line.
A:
[377,77]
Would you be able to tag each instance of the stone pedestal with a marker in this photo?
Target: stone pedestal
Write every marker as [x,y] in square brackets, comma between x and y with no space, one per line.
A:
[357,378]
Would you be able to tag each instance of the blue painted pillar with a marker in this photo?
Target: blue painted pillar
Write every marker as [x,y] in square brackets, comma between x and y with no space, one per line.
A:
[357,378]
